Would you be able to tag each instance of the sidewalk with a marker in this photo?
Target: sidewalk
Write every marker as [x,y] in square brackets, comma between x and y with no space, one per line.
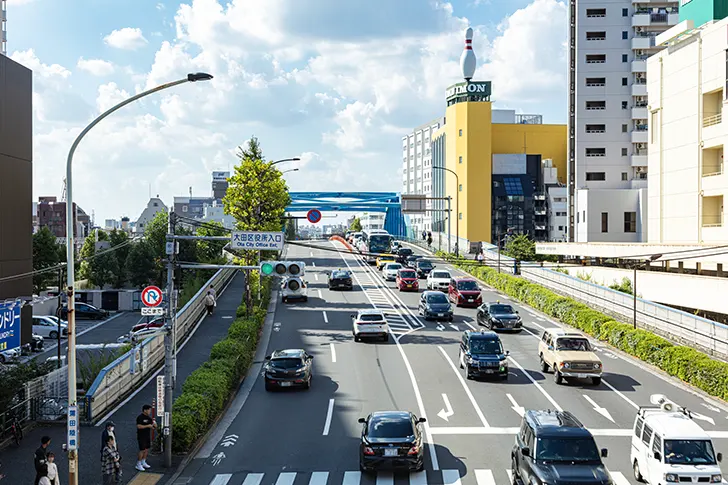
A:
[18,461]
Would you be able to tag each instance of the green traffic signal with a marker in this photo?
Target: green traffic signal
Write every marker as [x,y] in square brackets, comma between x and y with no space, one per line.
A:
[266,269]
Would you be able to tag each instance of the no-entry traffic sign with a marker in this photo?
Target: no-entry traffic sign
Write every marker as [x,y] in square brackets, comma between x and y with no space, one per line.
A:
[152,296]
[313,216]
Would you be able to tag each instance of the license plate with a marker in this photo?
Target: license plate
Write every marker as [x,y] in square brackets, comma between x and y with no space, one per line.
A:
[409,286]
[440,314]
[581,376]
[286,384]
[489,371]
[391,452]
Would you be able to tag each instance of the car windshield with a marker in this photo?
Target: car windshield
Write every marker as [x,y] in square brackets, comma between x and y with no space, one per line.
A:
[573,344]
[390,428]
[501,309]
[405,252]
[407,274]
[393,266]
[485,346]
[468,285]
[566,449]
[689,452]
[436,298]
[370,318]
[424,264]
[286,363]
[339,274]
[440,274]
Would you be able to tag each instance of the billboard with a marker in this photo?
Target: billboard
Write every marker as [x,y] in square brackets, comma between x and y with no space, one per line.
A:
[220,176]
[10,324]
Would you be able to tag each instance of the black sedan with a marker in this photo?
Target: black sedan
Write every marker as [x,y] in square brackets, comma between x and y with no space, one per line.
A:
[391,440]
[497,316]
[288,368]
[84,310]
[423,268]
[340,279]
[435,305]
[412,260]
[403,254]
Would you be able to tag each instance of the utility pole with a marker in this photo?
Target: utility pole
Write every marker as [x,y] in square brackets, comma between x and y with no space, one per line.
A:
[171,249]
[58,315]
[497,242]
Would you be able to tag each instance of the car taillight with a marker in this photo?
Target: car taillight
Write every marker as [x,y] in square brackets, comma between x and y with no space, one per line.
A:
[460,296]
[414,450]
[368,451]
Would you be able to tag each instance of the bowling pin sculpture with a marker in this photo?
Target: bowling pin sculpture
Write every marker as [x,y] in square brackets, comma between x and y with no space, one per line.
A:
[467,59]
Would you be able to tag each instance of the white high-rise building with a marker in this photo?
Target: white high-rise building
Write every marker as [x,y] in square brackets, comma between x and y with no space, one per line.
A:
[610,41]
[3,27]
[417,177]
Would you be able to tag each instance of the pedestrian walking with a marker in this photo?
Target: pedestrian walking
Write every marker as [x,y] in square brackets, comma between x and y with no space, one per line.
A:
[53,470]
[144,423]
[480,257]
[209,302]
[41,458]
[43,479]
[211,289]
[108,431]
[110,463]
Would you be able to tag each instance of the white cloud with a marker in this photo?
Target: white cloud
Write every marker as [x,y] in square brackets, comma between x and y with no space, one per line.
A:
[109,95]
[127,38]
[97,67]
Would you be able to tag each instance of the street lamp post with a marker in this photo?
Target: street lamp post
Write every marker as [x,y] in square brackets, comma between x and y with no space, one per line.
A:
[457,209]
[290,170]
[294,159]
[634,287]
[70,254]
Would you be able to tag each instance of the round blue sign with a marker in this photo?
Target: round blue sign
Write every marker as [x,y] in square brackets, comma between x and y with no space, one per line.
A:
[313,216]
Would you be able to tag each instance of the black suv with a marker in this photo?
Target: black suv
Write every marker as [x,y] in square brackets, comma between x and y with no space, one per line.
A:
[340,278]
[481,354]
[554,447]
[423,268]
[497,316]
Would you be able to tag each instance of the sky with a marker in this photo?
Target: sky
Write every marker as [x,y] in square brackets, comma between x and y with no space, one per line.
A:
[335,83]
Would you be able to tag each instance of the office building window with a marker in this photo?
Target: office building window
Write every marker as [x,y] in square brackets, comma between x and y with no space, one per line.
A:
[596,35]
[596,128]
[577,218]
[630,222]
[624,81]
[583,216]
[625,58]
[460,159]
[460,132]
[596,12]
[460,216]
[592,105]
[624,105]
[596,176]
[625,12]
[605,222]
[596,58]
[596,82]
[624,152]
[561,228]
[624,128]
[596,152]
[625,35]
[624,175]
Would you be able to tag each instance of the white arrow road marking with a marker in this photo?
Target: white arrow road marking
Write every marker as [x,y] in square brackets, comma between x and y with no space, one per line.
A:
[712,408]
[454,327]
[447,411]
[229,440]
[276,327]
[703,418]
[217,459]
[598,408]
[440,327]
[519,409]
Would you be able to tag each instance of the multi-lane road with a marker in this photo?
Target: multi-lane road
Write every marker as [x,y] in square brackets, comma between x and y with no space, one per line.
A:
[311,437]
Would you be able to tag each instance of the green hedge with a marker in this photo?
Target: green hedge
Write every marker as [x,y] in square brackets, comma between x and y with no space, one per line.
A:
[688,364]
[206,391]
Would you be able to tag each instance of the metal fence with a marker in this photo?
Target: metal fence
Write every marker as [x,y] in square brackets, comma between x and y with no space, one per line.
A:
[125,374]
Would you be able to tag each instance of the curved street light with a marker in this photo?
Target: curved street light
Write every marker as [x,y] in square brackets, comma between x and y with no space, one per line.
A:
[290,170]
[294,159]
[457,208]
[70,253]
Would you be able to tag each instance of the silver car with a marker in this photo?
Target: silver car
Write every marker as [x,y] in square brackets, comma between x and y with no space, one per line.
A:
[389,272]
[370,324]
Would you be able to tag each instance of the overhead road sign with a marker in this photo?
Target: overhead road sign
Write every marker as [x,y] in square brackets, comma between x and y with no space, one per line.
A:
[152,296]
[152,311]
[313,216]
[257,241]
[414,204]
[10,324]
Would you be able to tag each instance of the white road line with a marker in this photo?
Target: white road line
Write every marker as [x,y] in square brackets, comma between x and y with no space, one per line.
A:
[475,430]
[385,478]
[329,415]
[509,472]
[286,478]
[326,317]
[319,294]
[253,479]
[631,403]
[465,386]
[312,254]
[484,477]
[451,477]
[333,352]
[315,275]
[533,381]
[319,478]
[619,478]
[351,478]
[418,478]
[221,479]
[313,264]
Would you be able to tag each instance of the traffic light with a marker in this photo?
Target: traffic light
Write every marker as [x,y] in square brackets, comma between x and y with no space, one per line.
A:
[282,268]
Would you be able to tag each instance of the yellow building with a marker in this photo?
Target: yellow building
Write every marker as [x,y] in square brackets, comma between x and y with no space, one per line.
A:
[481,146]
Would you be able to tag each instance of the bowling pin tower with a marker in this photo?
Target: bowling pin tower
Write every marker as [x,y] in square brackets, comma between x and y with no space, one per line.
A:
[467,59]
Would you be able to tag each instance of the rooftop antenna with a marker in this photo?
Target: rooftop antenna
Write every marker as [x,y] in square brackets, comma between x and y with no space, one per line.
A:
[190,192]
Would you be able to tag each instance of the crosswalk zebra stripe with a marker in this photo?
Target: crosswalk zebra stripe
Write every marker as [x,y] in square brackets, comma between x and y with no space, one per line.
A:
[352,478]
[618,478]
[386,478]
[484,477]
[451,477]
[286,478]
[221,479]
[253,479]
[418,478]
[319,478]
[510,475]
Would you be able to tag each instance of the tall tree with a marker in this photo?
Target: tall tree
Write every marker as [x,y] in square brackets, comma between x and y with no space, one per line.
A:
[211,251]
[520,247]
[156,236]
[45,254]
[140,264]
[118,238]
[290,228]
[355,225]
[103,269]
[89,249]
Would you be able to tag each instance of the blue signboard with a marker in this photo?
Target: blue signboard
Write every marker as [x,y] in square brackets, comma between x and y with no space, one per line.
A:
[10,325]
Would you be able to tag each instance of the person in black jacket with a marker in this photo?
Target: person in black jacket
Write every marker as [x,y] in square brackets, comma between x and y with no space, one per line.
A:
[41,457]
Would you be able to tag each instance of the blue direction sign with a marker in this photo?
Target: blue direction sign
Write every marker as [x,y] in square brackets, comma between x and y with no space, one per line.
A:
[313,216]
[10,325]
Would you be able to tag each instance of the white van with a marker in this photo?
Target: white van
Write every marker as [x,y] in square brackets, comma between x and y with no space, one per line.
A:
[669,447]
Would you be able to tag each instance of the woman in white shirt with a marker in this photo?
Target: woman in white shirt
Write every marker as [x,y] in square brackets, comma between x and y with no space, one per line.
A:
[53,470]
[44,480]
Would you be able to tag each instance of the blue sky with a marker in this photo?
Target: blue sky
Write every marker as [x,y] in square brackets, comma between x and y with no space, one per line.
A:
[336,83]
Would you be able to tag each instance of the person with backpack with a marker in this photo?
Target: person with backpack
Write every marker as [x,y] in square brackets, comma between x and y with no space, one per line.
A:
[210,302]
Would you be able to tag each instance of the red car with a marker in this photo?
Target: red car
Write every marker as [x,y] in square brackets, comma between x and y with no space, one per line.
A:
[407,280]
[156,323]
[465,292]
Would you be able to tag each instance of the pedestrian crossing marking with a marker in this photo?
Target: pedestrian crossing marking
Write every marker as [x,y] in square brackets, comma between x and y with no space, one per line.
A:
[253,479]
[386,478]
[484,477]
[286,478]
[418,478]
[319,478]
[221,479]
[352,478]
[619,479]
[451,477]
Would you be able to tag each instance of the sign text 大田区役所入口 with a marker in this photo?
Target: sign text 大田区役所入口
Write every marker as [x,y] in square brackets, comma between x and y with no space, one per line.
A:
[257,241]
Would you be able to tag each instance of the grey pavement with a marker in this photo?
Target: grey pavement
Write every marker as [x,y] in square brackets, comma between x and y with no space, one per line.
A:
[18,462]
[290,438]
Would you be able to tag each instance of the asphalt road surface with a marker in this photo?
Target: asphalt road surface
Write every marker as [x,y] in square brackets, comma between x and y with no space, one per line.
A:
[311,437]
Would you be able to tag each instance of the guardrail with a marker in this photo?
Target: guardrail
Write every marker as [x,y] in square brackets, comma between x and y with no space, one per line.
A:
[681,327]
[118,379]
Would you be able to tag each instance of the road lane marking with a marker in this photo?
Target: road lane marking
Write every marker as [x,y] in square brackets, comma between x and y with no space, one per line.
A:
[286,478]
[315,275]
[418,478]
[312,254]
[313,263]
[385,478]
[333,352]
[465,386]
[221,479]
[451,477]
[631,403]
[253,479]
[447,411]
[326,318]
[351,478]
[484,477]
[598,408]
[509,472]
[619,478]
[319,478]
[519,409]
[329,415]
[538,386]
[319,294]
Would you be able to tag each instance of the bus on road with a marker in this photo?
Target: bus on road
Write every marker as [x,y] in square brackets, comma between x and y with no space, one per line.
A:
[376,241]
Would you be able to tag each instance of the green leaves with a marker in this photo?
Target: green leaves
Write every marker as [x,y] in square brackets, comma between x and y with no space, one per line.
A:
[46,253]
[355,225]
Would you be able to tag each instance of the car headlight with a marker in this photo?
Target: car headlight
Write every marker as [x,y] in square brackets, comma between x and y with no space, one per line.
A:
[471,360]
[716,478]
[671,477]
[495,320]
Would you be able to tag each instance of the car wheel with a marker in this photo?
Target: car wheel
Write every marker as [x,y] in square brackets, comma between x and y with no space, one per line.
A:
[53,335]
[514,472]
[305,298]
[557,376]
[544,365]
[596,380]
[283,299]
[636,470]
[2,359]
[450,318]
[362,468]
[385,338]
[356,338]
[268,386]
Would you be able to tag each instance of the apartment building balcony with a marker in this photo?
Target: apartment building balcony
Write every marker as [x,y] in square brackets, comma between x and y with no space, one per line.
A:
[540,227]
[639,134]
[639,90]
[539,197]
[639,113]
[638,159]
[643,42]
[540,212]
[639,65]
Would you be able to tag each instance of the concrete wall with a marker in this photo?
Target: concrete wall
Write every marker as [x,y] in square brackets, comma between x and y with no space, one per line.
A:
[615,202]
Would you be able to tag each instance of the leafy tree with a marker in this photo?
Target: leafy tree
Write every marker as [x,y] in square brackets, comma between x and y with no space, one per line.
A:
[290,228]
[140,264]
[156,236]
[211,251]
[355,225]
[45,255]
[257,195]
[103,269]
[520,247]
[87,250]
[118,238]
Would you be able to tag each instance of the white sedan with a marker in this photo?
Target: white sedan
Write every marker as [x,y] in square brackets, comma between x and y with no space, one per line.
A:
[438,280]
[370,324]
[47,326]
[389,272]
